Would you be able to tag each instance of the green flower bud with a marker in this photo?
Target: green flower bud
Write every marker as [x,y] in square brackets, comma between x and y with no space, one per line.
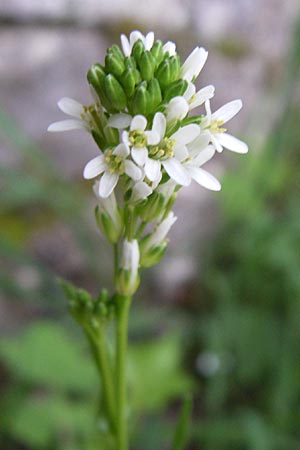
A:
[157,52]
[68,289]
[114,64]
[141,100]
[99,139]
[153,255]
[147,65]
[163,73]
[115,93]
[112,136]
[175,67]
[109,227]
[129,62]
[117,51]
[155,97]
[96,77]
[137,50]
[176,88]
[128,81]
[152,207]
[83,297]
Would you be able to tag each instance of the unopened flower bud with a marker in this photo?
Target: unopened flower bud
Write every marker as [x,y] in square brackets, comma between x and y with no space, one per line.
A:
[152,207]
[141,100]
[175,89]
[157,52]
[137,50]
[114,64]
[163,73]
[115,93]
[128,81]
[128,278]
[147,65]
[175,67]
[96,78]
[108,216]
[177,109]
[155,96]
[154,244]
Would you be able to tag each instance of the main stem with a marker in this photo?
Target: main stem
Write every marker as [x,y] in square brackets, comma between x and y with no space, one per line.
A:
[123,304]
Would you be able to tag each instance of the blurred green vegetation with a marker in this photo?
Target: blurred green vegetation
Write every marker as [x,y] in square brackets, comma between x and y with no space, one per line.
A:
[237,350]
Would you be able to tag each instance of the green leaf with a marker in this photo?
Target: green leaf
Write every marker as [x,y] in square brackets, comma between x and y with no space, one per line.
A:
[44,354]
[181,430]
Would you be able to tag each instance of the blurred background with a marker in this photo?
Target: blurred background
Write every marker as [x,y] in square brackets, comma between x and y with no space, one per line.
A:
[219,316]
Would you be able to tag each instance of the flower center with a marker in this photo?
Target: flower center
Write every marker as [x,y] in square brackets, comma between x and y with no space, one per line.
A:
[164,150]
[216,126]
[115,162]
[137,138]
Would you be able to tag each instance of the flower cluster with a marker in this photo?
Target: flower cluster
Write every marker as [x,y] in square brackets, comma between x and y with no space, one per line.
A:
[149,143]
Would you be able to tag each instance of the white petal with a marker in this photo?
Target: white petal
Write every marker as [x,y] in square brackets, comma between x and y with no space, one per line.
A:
[132,170]
[121,150]
[125,137]
[149,39]
[170,47]
[71,107]
[161,231]
[190,91]
[67,125]
[107,184]
[125,45]
[139,122]
[176,171]
[204,156]
[204,178]
[226,112]
[139,155]
[152,169]
[177,108]
[194,63]
[202,96]
[119,121]
[140,190]
[135,35]
[232,143]
[94,167]
[199,143]
[208,111]
[153,138]
[159,124]
[181,152]
[186,134]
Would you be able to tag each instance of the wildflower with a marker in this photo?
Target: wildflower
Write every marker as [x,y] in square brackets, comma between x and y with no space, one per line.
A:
[170,151]
[111,164]
[138,138]
[134,36]
[193,64]
[195,99]
[82,118]
[213,123]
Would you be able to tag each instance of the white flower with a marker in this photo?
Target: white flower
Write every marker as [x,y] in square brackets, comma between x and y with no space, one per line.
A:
[138,138]
[108,215]
[74,109]
[160,232]
[170,151]
[134,36]
[111,165]
[143,188]
[179,106]
[201,176]
[195,99]
[193,64]
[213,123]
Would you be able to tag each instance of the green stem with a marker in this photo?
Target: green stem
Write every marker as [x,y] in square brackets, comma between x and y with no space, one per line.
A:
[123,304]
[100,354]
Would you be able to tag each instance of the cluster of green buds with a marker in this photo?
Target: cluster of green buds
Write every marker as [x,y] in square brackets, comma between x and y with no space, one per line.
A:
[138,83]
[93,314]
